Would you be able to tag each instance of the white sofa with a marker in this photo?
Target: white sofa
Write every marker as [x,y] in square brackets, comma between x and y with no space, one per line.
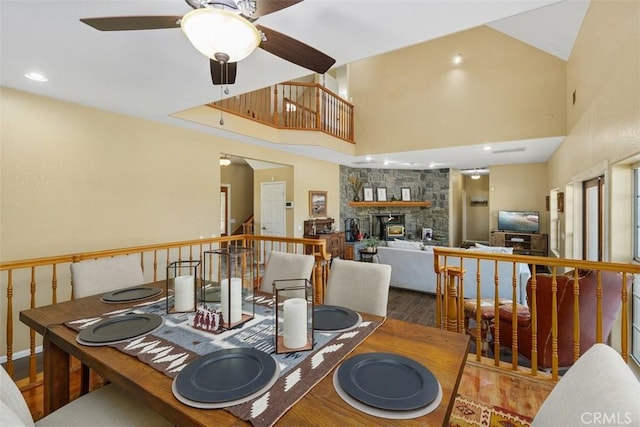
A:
[412,268]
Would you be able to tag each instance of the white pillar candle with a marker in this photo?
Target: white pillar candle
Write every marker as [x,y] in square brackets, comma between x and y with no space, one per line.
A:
[184,293]
[295,323]
[236,300]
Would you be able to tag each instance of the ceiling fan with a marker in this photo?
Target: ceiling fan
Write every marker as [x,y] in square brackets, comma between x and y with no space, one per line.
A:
[224,31]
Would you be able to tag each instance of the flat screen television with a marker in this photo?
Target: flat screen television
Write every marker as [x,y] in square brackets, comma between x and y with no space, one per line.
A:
[521,221]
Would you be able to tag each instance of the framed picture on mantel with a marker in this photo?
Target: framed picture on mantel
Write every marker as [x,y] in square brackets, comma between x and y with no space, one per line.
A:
[405,193]
[368,194]
[382,194]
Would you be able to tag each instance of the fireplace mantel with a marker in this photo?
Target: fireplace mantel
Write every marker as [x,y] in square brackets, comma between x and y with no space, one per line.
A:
[398,204]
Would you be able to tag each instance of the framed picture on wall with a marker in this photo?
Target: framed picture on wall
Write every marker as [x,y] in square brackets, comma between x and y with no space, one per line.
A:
[368,194]
[382,194]
[405,194]
[317,203]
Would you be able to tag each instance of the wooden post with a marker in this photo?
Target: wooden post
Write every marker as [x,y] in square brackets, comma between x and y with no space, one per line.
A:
[275,105]
[453,294]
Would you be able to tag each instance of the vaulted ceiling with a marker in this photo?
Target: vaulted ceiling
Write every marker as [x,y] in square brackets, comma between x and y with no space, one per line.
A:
[152,74]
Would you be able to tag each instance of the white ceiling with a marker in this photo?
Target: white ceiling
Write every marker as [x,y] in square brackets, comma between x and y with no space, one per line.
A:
[152,74]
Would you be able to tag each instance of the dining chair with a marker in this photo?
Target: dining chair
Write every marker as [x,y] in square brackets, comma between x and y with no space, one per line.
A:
[101,275]
[599,389]
[106,406]
[283,266]
[360,286]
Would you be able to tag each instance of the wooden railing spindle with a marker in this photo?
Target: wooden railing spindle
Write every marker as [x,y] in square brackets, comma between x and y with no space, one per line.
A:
[9,328]
[624,332]
[534,323]
[576,313]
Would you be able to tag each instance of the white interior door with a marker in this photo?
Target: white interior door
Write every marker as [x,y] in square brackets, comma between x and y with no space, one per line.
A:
[272,211]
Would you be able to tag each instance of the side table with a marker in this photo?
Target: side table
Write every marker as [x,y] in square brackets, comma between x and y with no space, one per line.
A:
[366,255]
[487,314]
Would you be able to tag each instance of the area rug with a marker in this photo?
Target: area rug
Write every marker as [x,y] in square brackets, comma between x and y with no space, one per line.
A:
[467,413]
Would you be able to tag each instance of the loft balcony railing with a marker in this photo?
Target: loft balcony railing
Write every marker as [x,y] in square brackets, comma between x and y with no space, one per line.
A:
[295,106]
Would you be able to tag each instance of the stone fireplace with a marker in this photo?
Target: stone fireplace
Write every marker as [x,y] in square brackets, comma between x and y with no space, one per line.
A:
[431,185]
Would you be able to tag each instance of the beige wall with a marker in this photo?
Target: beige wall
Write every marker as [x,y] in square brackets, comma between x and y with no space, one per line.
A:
[477,224]
[81,179]
[518,187]
[414,98]
[240,180]
[604,70]
[456,185]
[78,179]
[604,124]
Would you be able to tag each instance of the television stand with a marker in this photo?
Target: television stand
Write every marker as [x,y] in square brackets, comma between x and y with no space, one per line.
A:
[522,243]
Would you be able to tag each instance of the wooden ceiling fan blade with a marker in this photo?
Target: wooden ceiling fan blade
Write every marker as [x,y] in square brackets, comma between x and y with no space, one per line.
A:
[125,23]
[224,74]
[265,7]
[295,51]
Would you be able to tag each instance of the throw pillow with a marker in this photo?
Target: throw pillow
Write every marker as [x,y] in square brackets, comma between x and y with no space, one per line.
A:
[492,250]
[403,244]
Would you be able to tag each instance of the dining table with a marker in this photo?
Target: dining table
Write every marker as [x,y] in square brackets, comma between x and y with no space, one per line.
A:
[444,353]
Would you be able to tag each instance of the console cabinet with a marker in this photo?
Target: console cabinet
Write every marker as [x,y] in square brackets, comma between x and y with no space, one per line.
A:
[320,229]
[522,243]
[335,245]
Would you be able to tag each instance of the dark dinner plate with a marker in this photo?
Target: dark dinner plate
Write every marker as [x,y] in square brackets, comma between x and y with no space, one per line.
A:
[131,294]
[388,381]
[332,317]
[120,328]
[225,375]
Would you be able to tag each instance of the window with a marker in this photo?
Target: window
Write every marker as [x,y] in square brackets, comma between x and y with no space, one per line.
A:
[554,223]
[635,338]
[636,214]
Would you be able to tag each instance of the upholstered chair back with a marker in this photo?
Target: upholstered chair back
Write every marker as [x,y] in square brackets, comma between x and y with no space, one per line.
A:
[284,266]
[360,286]
[13,408]
[101,275]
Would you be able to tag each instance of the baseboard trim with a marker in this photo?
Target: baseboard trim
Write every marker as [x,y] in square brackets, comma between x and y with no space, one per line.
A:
[20,354]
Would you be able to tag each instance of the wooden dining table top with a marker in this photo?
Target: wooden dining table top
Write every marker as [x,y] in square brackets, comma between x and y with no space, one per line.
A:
[443,353]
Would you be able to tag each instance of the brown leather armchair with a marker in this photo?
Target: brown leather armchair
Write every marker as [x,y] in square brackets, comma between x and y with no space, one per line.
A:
[611,303]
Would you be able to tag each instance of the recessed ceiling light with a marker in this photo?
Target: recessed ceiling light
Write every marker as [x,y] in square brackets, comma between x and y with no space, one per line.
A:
[457,60]
[36,77]
[486,148]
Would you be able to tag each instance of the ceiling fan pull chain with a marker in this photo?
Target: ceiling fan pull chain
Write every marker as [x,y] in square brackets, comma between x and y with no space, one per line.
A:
[226,78]
[221,119]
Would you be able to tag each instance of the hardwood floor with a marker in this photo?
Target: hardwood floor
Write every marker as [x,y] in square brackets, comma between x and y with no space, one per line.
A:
[479,383]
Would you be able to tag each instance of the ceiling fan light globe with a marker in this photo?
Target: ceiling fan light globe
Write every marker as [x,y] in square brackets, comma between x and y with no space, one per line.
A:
[213,31]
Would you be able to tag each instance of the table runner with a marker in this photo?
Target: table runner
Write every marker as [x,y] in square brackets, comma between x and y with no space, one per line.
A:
[174,345]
